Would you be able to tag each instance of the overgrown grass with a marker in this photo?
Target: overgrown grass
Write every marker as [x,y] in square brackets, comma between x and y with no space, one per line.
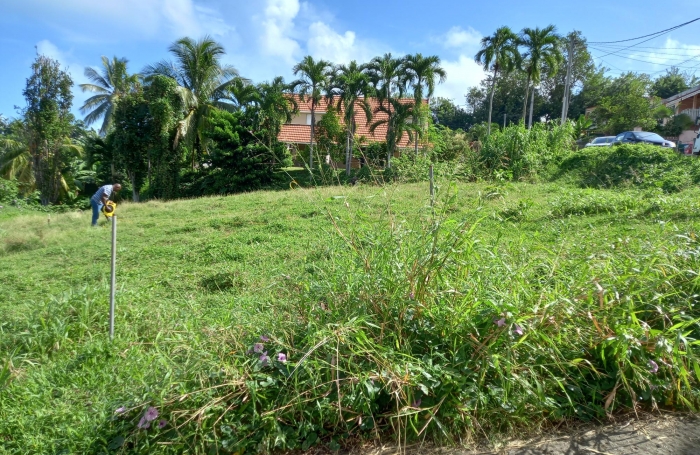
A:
[506,307]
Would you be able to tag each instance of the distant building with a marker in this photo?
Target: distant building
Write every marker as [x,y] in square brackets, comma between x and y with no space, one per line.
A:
[298,131]
[687,102]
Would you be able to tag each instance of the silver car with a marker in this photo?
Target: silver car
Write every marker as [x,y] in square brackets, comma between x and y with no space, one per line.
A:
[605,141]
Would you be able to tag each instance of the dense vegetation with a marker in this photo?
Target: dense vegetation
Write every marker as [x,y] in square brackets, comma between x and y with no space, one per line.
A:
[546,283]
[329,316]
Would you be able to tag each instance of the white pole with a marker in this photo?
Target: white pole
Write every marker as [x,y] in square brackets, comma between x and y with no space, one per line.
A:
[113,278]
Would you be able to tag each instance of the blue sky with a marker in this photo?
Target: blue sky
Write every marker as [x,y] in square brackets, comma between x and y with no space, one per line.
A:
[264,38]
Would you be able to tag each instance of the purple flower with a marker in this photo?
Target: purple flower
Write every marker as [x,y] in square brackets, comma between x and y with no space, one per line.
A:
[151,414]
[144,424]
[263,338]
[416,403]
[500,322]
[162,423]
[412,296]
[258,348]
[264,359]
[653,366]
[517,329]
[120,410]
[282,357]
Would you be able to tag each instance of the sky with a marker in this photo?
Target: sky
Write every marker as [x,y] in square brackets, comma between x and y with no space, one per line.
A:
[265,38]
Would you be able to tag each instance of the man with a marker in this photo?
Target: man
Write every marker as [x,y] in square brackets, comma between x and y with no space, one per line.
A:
[100,198]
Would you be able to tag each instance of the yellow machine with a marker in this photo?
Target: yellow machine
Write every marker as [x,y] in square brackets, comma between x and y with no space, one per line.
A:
[109,209]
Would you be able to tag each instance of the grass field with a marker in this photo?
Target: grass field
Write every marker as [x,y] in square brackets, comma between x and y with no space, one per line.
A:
[506,307]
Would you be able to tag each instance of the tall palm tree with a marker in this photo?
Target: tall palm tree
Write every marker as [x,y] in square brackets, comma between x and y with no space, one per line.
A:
[113,83]
[388,78]
[203,82]
[352,88]
[498,53]
[273,108]
[543,53]
[421,73]
[398,120]
[313,81]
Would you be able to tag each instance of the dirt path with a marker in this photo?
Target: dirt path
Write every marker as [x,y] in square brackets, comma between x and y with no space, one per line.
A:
[666,435]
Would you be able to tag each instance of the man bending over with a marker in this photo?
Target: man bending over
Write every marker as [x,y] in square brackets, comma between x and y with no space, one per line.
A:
[100,198]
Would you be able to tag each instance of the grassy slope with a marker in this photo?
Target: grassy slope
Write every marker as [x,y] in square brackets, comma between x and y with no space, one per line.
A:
[195,274]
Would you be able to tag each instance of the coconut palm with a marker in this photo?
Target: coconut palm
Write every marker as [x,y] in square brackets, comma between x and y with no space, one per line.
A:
[398,120]
[388,78]
[242,93]
[351,86]
[114,82]
[16,161]
[542,53]
[422,73]
[204,84]
[498,53]
[313,81]
[273,107]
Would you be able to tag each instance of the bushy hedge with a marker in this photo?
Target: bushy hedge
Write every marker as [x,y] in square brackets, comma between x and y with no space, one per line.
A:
[630,165]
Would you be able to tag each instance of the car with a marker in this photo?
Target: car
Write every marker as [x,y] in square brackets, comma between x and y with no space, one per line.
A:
[605,141]
[642,137]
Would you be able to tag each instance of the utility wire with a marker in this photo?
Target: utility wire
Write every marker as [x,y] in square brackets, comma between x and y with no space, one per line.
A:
[645,36]
[646,61]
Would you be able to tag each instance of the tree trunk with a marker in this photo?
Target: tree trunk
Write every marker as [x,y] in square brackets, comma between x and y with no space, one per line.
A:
[493,90]
[134,189]
[532,105]
[527,92]
[348,154]
[311,142]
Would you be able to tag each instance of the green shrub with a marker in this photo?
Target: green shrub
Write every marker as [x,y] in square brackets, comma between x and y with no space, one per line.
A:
[9,191]
[520,154]
[630,165]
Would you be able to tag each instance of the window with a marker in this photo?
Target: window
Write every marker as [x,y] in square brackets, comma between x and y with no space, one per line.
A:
[644,136]
[318,117]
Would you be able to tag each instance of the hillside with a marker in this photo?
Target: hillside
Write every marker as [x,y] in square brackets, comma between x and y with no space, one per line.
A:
[512,306]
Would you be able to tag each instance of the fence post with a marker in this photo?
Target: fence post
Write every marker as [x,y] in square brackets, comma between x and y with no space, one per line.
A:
[113,278]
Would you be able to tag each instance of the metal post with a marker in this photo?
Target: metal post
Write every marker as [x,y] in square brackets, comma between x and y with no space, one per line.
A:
[113,278]
[432,187]
[504,120]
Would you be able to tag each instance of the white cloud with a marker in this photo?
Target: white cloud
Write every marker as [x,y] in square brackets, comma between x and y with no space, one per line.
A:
[125,19]
[673,53]
[326,43]
[456,37]
[278,28]
[461,74]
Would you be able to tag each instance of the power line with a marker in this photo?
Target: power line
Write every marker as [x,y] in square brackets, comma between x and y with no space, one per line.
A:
[677,65]
[645,36]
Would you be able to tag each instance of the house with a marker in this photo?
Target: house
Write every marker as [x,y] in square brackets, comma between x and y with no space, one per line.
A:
[297,133]
[687,102]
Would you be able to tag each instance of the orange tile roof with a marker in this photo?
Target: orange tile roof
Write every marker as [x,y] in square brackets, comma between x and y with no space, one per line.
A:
[300,134]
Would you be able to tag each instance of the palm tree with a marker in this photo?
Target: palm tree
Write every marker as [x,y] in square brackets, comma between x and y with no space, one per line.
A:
[352,88]
[311,85]
[398,121]
[388,77]
[422,72]
[114,82]
[203,84]
[499,53]
[273,107]
[17,162]
[543,53]
[242,93]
